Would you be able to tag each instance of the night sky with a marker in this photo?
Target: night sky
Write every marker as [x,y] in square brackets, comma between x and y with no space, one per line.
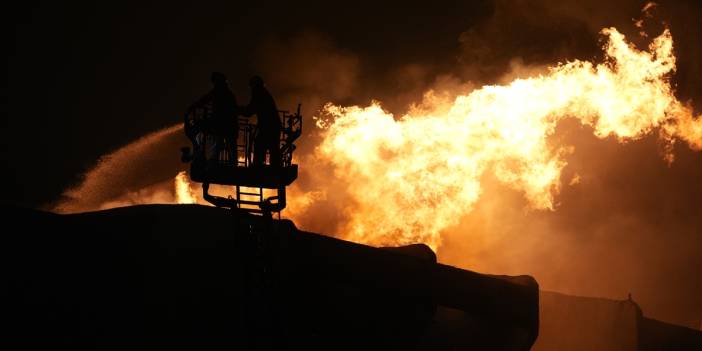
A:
[87,79]
[84,79]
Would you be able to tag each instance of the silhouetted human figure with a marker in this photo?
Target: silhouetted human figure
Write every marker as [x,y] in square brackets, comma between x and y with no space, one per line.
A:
[221,122]
[268,130]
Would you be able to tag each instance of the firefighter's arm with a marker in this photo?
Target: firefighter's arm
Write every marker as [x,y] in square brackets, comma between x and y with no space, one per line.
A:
[250,109]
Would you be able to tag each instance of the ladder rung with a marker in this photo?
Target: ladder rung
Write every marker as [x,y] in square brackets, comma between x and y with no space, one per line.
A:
[247,202]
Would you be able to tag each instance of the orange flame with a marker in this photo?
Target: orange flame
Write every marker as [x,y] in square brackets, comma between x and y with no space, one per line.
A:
[184,194]
[411,177]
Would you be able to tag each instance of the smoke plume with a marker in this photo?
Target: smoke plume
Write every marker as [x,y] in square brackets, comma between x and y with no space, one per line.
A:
[624,221]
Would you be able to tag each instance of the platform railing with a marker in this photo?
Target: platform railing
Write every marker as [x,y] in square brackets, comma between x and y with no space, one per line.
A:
[234,161]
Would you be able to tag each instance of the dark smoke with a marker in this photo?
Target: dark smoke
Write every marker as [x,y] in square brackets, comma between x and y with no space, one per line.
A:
[632,224]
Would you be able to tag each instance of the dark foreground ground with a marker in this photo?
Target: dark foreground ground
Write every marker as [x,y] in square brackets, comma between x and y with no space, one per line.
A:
[195,277]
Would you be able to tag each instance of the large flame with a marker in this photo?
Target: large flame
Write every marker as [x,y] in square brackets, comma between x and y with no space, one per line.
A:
[409,178]
[413,176]
[184,194]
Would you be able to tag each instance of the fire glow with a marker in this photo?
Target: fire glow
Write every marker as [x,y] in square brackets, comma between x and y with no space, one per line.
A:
[184,194]
[411,177]
[406,179]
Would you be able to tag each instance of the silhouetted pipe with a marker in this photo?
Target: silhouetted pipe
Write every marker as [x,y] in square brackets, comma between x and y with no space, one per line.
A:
[502,300]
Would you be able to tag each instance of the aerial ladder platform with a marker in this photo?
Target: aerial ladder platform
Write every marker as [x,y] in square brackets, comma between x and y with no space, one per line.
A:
[254,189]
